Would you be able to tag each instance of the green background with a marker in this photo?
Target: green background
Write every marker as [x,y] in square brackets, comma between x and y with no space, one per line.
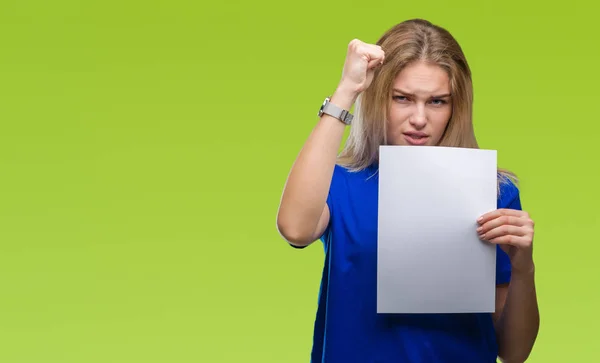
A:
[144,147]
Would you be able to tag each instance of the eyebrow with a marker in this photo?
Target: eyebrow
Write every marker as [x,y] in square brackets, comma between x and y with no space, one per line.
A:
[411,94]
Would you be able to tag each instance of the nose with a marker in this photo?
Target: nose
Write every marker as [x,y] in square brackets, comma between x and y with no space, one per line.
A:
[418,119]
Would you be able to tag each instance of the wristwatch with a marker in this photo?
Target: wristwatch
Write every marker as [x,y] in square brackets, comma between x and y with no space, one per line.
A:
[335,111]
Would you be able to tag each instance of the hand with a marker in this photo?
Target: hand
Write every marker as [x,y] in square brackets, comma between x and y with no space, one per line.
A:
[513,231]
[360,64]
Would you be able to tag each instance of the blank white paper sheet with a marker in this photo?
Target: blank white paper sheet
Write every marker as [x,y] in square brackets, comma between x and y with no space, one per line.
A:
[430,258]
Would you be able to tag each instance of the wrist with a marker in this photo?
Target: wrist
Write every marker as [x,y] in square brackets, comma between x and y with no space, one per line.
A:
[525,271]
[344,96]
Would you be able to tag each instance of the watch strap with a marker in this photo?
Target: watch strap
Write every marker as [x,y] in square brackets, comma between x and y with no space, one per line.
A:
[332,110]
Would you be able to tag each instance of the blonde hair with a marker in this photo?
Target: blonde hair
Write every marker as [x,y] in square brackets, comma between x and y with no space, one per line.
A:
[407,42]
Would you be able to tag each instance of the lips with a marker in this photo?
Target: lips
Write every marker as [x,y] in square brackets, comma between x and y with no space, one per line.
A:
[416,138]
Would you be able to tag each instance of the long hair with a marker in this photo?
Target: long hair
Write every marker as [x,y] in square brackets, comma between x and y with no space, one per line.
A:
[408,42]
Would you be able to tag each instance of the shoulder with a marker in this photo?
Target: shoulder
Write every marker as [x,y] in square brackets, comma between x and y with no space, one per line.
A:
[362,174]
[350,188]
[345,178]
[352,194]
[508,193]
[340,181]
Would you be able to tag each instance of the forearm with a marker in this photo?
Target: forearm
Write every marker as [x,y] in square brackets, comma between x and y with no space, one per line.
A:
[518,326]
[308,183]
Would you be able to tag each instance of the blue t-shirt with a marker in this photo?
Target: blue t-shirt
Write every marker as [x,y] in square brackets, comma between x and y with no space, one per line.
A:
[347,328]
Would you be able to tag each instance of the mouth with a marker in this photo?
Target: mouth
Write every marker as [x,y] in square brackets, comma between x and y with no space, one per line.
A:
[416,138]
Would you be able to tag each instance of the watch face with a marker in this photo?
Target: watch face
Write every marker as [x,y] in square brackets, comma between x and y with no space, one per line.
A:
[323,106]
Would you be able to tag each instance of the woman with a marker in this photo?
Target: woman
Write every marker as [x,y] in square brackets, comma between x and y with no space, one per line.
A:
[411,88]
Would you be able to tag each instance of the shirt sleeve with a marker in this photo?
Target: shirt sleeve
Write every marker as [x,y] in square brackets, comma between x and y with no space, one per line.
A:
[503,266]
[333,187]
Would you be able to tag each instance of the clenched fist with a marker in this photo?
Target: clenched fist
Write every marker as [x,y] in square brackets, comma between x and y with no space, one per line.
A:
[359,66]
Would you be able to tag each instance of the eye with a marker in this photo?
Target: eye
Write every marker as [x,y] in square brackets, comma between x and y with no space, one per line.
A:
[438,102]
[400,98]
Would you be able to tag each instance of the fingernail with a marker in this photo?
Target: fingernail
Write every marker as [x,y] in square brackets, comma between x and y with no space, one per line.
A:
[479,229]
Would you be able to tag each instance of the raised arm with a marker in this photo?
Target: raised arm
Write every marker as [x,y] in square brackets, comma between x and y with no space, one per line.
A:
[303,213]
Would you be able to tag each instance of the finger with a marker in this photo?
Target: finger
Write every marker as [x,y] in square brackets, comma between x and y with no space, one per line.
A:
[502,220]
[502,212]
[374,63]
[373,51]
[503,231]
[510,239]
[378,51]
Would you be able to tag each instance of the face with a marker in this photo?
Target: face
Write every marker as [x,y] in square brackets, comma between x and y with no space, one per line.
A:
[420,107]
